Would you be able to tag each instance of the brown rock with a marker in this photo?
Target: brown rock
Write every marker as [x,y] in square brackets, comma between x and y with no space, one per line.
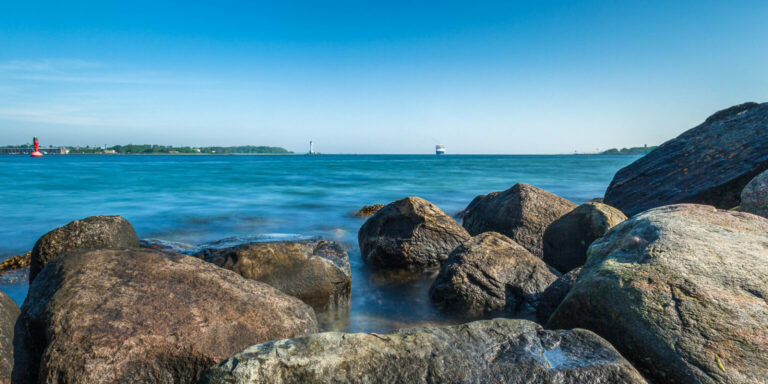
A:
[143,316]
[409,233]
[522,213]
[317,271]
[9,312]
[490,274]
[368,210]
[90,233]
[566,240]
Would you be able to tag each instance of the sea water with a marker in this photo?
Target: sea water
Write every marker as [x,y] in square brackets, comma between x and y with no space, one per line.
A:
[202,198]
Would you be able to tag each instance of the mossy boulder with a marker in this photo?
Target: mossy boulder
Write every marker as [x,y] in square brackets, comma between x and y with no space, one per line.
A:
[493,351]
[681,291]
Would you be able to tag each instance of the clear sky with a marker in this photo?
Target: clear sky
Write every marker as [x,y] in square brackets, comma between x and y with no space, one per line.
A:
[376,77]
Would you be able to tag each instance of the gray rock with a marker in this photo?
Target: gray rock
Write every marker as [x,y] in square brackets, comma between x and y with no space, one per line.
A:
[9,312]
[554,295]
[522,213]
[144,316]
[316,271]
[493,351]
[410,233]
[490,274]
[709,164]
[566,240]
[681,291]
[93,232]
[754,197]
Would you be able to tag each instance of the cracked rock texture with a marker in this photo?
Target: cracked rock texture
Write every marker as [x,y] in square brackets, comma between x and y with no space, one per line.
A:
[144,316]
[522,213]
[9,312]
[315,271]
[410,233]
[709,164]
[681,291]
[491,351]
[490,274]
[93,232]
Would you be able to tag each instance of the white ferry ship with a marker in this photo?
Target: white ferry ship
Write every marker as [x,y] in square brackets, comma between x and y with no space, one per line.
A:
[439,149]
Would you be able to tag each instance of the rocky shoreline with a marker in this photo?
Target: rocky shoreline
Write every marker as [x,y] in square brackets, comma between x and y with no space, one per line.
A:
[665,281]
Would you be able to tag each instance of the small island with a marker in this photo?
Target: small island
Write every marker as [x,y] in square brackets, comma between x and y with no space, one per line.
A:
[644,150]
[149,149]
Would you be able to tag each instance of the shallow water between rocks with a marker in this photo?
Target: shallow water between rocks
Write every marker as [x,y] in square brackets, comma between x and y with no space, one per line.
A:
[200,199]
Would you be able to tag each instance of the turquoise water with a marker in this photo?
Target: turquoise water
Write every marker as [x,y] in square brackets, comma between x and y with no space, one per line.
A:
[197,199]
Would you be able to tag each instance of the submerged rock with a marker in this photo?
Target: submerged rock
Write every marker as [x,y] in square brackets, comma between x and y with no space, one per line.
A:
[9,312]
[316,271]
[368,210]
[709,164]
[409,233]
[566,240]
[754,197]
[143,316]
[681,291]
[16,262]
[492,351]
[490,274]
[554,295]
[93,232]
[522,212]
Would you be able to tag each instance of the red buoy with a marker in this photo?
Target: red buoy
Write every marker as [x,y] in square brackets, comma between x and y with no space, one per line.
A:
[37,152]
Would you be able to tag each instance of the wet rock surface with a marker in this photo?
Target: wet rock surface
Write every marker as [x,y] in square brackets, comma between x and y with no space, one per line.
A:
[93,232]
[522,213]
[493,351]
[490,274]
[566,240]
[315,271]
[368,210]
[681,291]
[709,164]
[554,295]
[9,312]
[138,315]
[410,233]
[754,197]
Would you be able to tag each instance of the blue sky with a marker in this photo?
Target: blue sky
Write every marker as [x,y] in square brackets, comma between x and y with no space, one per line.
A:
[376,77]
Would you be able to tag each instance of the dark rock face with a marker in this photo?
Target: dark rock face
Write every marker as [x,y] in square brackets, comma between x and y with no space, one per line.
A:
[754,197]
[490,274]
[566,240]
[317,272]
[522,213]
[709,164]
[143,316]
[493,351]
[9,312]
[93,232]
[554,295]
[681,291]
[410,233]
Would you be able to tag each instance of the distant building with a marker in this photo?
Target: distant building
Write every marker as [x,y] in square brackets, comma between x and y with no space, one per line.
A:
[110,151]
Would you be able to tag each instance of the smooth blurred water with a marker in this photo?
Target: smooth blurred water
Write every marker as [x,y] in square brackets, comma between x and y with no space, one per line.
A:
[196,199]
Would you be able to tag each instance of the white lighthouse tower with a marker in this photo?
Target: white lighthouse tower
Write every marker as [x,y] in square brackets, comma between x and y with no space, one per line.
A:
[311,148]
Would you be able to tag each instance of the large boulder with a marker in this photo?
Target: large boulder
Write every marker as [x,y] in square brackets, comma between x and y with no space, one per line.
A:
[492,351]
[554,295]
[144,316]
[522,212]
[95,232]
[709,164]
[9,312]
[681,291]
[566,240]
[490,274]
[315,271]
[410,233]
[754,197]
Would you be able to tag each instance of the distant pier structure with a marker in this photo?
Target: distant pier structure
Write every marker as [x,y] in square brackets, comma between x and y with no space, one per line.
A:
[439,149]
